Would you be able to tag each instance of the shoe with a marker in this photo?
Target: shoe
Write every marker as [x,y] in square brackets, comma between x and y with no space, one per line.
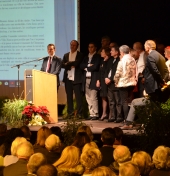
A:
[89,118]
[102,118]
[111,120]
[95,118]
[119,120]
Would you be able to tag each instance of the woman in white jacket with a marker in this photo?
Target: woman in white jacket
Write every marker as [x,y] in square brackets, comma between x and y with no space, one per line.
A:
[125,78]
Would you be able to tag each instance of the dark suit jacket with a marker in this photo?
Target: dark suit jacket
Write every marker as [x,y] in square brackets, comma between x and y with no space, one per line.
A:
[112,66]
[93,69]
[155,71]
[55,67]
[17,169]
[67,66]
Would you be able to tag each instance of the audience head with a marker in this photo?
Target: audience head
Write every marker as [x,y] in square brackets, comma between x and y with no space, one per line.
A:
[85,128]
[42,135]
[57,131]
[105,53]
[105,41]
[89,145]
[25,150]
[108,136]
[91,158]
[150,45]
[103,171]
[135,54]
[47,170]
[74,44]
[122,154]
[143,161]
[118,135]
[34,162]
[27,133]
[161,157]
[138,46]
[53,143]
[129,169]
[3,129]
[167,52]
[81,139]
[70,157]
[114,51]
[16,143]
[92,48]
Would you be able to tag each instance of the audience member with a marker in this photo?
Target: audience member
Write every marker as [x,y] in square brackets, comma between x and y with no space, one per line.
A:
[34,162]
[105,54]
[113,94]
[161,160]
[73,78]
[129,169]
[42,135]
[87,129]
[90,67]
[5,148]
[118,136]
[57,131]
[3,131]
[103,171]
[143,161]
[155,73]
[27,133]
[69,162]
[90,159]
[53,145]
[80,140]
[24,152]
[121,155]
[125,79]
[89,145]
[113,44]
[47,170]
[108,138]
[10,159]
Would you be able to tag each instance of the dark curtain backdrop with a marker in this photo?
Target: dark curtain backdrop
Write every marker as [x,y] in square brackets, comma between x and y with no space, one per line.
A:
[124,21]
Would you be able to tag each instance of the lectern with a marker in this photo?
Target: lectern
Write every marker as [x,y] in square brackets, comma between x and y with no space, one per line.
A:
[41,88]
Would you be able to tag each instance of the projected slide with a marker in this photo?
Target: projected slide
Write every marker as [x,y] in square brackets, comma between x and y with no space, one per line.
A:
[28,26]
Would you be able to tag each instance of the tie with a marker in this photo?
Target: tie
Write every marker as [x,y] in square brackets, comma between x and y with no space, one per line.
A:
[49,65]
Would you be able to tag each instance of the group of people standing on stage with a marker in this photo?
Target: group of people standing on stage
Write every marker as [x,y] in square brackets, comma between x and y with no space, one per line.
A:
[119,74]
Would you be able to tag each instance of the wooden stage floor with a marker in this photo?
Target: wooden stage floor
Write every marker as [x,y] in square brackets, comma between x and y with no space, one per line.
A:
[95,125]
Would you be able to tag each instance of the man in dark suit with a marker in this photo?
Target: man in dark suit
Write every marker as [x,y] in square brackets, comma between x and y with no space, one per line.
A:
[115,106]
[155,73]
[90,66]
[73,78]
[51,63]
[24,151]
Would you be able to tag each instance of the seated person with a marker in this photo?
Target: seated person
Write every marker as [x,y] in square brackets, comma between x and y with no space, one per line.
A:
[47,169]
[118,136]
[27,133]
[103,171]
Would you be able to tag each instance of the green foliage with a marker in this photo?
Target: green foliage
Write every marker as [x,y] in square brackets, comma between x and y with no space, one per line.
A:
[2,99]
[12,111]
[155,119]
[69,130]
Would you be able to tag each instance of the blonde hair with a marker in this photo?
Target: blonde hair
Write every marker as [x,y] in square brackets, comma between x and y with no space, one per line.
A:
[52,142]
[151,44]
[85,128]
[129,168]
[17,141]
[122,154]
[91,158]
[161,157]
[70,158]
[103,171]
[42,135]
[143,160]
[25,150]
[89,145]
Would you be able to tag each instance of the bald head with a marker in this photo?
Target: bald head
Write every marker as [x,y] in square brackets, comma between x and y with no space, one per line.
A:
[138,46]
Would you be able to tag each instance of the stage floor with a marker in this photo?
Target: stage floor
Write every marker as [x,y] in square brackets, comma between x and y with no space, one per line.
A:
[95,125]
